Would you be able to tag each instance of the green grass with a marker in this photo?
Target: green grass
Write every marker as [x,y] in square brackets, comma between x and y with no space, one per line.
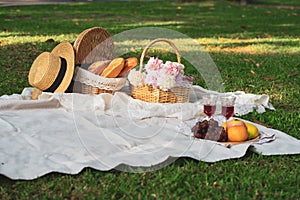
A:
[256,49]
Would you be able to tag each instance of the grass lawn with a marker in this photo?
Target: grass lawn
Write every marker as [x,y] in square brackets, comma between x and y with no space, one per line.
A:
[256,48]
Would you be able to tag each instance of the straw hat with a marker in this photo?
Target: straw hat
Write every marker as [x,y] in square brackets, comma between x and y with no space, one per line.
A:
[52,72]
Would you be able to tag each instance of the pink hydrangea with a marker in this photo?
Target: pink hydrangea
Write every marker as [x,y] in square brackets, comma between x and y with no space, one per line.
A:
[153,64]
[165,76]
[173,68]
[151,78]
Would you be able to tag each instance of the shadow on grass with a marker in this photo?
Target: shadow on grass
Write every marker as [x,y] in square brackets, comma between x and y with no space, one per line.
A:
[183,162]
[16,60]
[276,3]
[196,19]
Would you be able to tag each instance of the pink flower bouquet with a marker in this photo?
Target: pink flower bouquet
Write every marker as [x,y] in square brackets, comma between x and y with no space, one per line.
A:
[160,82]
[163,75]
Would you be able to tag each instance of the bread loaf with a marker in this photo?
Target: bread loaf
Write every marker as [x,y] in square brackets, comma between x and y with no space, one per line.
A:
[129,64]
[114,68]
[98,67]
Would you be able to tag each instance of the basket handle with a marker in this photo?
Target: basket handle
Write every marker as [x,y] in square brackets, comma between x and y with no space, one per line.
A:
[153,42]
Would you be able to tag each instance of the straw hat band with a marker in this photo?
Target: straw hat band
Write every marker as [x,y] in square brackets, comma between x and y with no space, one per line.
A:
[60,76]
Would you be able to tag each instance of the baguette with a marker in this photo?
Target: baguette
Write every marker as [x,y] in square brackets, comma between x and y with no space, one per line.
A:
[129,64]
[114,68]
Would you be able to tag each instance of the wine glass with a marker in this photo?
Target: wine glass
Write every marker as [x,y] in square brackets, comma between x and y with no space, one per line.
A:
[228,106]
[209,102]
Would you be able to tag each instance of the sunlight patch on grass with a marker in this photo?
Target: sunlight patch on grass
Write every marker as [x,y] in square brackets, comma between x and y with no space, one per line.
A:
[285,25]
[254,49]
[232,45]
[251,46]
[153,23]
[182,44]
[247,46]
[21,38]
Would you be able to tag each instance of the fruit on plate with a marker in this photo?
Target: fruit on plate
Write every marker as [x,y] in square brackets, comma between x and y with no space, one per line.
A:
[251,128]
[252,131]
[209,130]
[236,130]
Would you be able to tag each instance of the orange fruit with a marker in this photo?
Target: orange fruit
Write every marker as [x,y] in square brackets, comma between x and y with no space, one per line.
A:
[236,130]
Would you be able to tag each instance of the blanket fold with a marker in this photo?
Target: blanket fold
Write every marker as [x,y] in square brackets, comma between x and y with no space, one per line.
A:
[68,132]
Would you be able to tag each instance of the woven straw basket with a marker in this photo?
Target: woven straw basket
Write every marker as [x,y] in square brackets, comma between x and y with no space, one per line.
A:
[92,45]
[149,94]
[89,83]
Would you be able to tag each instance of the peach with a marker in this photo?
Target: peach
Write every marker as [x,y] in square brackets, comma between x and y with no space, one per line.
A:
[236,130]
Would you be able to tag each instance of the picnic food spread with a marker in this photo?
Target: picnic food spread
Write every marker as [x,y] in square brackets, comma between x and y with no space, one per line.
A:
[156,81]
[234,130]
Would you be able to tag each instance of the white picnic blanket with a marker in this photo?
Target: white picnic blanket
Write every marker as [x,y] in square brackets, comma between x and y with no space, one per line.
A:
[68,132]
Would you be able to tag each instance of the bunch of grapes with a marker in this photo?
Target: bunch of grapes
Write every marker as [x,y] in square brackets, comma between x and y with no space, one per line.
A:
[209,130]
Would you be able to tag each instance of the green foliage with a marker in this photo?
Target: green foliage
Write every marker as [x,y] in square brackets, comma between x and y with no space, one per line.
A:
[256,48]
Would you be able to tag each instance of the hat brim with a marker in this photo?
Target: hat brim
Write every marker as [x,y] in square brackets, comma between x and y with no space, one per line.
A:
[66,51]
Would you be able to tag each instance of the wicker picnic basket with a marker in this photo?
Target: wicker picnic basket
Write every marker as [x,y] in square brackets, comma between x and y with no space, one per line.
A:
[148,93]
[89,83]
[92,45]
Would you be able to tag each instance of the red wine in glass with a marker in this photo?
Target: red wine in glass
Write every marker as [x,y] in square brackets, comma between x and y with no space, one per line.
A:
[227,111]
[209,110]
